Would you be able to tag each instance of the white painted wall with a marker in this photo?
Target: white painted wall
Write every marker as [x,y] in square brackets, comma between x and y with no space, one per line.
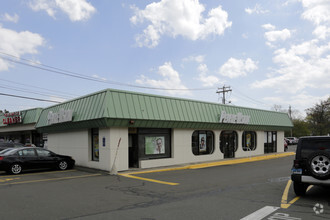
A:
[121,162]
[182,152]
[77,144]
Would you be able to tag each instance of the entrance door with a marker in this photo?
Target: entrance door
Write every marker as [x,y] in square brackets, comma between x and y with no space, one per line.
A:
[270,145]
[133,151]
[228,143]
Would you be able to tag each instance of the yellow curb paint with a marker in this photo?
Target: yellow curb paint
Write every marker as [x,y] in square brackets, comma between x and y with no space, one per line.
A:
[242,160]
[8,179]
[284,202]
[203,165]
[149,180]
[52,179]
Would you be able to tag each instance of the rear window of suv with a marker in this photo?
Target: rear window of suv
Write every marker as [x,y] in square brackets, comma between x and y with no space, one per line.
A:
[308,146]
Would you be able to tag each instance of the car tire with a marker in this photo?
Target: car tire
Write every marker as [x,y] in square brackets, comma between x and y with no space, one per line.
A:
[319,165]
[15,169]
[63,165]
[300,188]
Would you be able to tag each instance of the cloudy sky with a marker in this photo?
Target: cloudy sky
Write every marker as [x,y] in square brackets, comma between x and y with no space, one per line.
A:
[268,52]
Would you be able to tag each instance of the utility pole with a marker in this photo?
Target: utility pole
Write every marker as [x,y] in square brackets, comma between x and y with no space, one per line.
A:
[290,112]
[223,90]
[290,115]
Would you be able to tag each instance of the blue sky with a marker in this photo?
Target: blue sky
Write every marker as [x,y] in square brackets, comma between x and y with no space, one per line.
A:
[268,52]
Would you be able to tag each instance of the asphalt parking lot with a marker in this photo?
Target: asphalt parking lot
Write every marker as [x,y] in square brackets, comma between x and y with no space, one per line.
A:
[227,191]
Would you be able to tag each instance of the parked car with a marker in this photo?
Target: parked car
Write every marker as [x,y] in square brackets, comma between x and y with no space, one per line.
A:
[4,145]
[16,160]
[312,163]
[292,140]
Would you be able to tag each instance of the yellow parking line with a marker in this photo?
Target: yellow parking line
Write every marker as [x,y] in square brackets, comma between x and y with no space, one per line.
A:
[149,180]
[284,202]
[51,179]
[204,165]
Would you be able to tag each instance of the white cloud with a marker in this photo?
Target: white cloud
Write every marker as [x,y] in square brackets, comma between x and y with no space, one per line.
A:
[18,43]
[207,80]
[316,11]
[234,68]
[198,58]
[99,77]
[269,27]
[282,35]
[170,81]
[306,65]
[77,10]
[11,18]
[178,17]
[322,32]
[256,10]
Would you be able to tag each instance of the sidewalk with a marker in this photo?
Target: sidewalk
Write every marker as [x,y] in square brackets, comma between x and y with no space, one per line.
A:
[210,164]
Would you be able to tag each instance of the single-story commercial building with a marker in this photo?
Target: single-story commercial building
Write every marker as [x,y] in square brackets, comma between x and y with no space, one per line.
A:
[19,127]
[143,131]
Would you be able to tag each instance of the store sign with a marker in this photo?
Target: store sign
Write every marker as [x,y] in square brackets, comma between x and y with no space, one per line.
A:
[238,118]
[59,117]
[12,118]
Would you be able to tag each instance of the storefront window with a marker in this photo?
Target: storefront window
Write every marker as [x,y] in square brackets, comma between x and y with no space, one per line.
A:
[95,144]
[154,143]
[249,141]
[202,142]
[228,143]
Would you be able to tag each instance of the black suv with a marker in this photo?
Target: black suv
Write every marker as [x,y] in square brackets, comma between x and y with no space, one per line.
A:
[312,163]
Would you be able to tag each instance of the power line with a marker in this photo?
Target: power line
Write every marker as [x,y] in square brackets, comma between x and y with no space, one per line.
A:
[33,64]
[24,97]
[46,89]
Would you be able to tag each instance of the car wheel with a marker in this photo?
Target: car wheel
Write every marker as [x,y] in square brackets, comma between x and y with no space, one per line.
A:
[63,165]
[319,165]
[300,188]
[15,168]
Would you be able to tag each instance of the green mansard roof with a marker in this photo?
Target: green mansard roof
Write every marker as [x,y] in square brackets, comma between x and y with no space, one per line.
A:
[116,108]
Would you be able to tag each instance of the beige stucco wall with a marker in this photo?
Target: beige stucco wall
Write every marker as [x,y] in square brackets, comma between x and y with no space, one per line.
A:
[77,145]
[182,152]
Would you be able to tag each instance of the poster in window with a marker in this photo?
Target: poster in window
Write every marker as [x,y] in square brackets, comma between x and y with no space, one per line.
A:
[95,147]
[202,142]
[248,141]
[154,145]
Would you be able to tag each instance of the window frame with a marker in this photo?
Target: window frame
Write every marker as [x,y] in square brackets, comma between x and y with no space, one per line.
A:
[196,140]
[95,144]
[253,146]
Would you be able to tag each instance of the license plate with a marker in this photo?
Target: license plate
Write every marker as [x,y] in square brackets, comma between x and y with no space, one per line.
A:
[296,171]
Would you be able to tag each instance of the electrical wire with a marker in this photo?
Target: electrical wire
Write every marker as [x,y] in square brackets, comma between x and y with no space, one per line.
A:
[33,64]
[45,89]
[24,97]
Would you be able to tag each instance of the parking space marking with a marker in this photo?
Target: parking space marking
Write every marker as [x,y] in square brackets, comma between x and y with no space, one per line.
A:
[149,180]
[284,201]
[203,165]
[8,179]
[51,179]
[261,213]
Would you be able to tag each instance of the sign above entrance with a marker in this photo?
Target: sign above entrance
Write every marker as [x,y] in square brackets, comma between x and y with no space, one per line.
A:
[12,118]
[238,118]
[61,116]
